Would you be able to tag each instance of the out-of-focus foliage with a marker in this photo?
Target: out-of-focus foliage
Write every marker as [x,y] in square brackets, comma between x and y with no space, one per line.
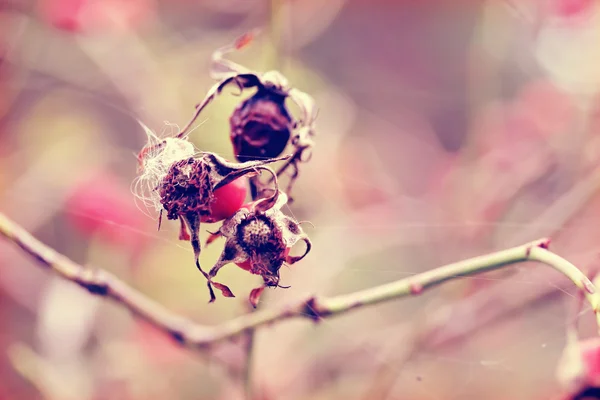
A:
[446,130]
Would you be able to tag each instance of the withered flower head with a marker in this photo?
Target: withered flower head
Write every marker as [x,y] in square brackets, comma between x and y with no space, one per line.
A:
[187,192]
[259,238]
[262,126]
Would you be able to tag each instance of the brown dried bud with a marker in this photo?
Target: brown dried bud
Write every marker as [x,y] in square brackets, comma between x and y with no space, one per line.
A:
[260,126]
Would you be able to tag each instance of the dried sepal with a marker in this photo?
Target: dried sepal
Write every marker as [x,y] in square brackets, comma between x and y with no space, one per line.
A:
[255,295]
[222,68]
[242,81]
[212,237]
[259,239]
[183,232]
[224,289]
[262,126]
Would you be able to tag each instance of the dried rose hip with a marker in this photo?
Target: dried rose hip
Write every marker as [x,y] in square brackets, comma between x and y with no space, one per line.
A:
[190,192]
[258,239]
[262,126]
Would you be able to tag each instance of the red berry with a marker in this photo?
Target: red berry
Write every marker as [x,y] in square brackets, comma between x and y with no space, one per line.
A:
[247,265]
[227,200]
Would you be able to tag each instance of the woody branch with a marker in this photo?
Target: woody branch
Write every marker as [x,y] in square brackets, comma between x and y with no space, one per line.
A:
[193,335]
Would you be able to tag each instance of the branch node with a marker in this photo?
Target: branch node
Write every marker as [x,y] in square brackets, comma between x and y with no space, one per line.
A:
[545,243]
[312,310]
[99,289]
[185,333]
[588,285]
[416,288]
[177,335]
[541,243]
[93,281]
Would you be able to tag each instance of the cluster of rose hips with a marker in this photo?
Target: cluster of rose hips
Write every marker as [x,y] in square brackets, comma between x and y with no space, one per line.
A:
[196,187]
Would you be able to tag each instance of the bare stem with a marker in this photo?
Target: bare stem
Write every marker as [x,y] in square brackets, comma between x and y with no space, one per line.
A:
[250,345]
[190,334]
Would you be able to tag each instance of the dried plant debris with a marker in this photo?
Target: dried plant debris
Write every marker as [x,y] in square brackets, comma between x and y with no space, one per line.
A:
[187,192]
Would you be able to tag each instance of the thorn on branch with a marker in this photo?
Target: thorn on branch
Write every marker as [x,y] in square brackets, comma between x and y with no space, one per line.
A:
[588,285]
[416,288]
[542,243]
[545,243]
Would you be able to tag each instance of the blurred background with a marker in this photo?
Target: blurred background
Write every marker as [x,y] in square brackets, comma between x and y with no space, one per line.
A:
[446,130]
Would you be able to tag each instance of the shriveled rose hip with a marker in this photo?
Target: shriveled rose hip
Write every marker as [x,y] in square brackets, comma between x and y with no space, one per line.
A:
[262,126]
[258,239]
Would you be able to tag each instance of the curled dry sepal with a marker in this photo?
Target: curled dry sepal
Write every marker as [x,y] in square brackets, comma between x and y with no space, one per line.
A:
[188,192]
[262,126]
[258,239]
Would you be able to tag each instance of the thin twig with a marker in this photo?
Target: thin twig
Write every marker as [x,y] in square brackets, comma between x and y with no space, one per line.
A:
[189,334]
[249,361]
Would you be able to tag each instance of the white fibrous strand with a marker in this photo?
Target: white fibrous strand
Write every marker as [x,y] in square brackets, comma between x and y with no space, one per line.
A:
[156,158]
